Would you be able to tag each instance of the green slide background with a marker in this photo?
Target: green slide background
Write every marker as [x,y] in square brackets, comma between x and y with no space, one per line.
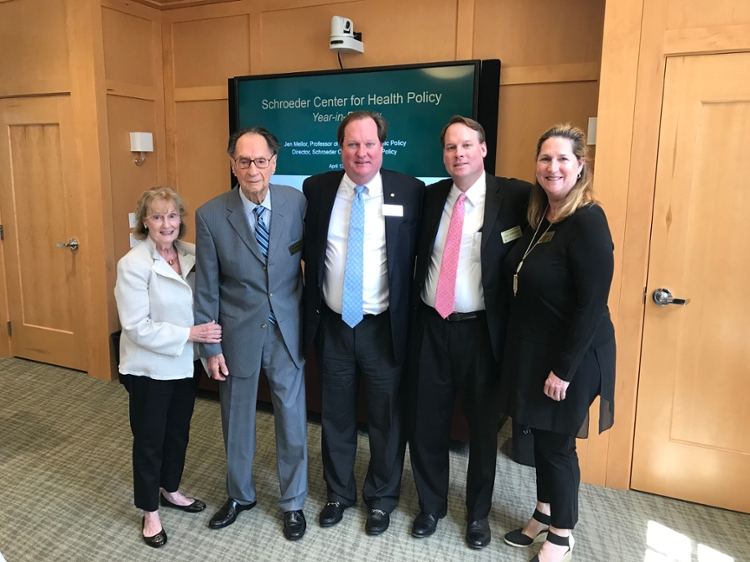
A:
[418,124]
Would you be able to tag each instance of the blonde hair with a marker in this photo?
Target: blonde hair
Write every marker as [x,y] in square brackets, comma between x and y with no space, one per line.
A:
[161,193]
[582,193]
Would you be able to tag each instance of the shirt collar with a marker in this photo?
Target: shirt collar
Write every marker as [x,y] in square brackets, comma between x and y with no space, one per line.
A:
[474,194]
[373,188]
[249,206]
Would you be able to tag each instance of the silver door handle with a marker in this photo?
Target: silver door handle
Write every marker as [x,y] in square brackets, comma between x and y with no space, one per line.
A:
[663,297]
[72,244]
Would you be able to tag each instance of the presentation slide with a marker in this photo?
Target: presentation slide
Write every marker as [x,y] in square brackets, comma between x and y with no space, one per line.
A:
[304,111]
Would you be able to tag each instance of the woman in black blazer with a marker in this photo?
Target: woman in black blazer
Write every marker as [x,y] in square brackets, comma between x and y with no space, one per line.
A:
[560,349]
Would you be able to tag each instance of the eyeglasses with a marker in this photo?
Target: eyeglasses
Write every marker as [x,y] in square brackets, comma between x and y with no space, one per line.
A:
[171,217]
[260,163]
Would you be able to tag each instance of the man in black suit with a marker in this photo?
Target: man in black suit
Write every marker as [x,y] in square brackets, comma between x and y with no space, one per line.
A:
[360,244]
[469,223]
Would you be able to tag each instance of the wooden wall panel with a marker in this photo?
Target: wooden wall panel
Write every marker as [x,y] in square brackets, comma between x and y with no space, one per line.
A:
[685,14]
[207,52]
[128,48]
[542,32]
[527,111]
[128,180]
[201,159]
[297,40]
[34,57]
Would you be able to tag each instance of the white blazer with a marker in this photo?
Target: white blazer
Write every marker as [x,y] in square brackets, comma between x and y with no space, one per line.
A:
[155,305]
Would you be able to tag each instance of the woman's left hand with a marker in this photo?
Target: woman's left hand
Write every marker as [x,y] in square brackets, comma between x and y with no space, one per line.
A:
[555,387]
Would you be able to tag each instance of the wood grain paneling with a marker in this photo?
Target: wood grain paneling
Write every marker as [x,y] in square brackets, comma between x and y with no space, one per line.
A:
[542,32]
[128,180]
[719,39]
[519,130]
[207,52]
[201,159]
[686,14]
[617,91]
[388,39]
[128,48]
[34,58]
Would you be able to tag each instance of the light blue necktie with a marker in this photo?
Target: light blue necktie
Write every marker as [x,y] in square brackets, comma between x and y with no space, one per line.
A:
[262,236]
[351,306]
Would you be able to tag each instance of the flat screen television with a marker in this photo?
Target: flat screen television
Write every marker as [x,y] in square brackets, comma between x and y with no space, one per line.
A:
[304,109]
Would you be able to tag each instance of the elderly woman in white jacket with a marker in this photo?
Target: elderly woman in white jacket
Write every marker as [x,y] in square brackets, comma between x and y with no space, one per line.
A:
[154,294]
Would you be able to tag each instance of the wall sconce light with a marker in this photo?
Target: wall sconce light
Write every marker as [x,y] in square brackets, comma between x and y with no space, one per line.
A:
[141,143]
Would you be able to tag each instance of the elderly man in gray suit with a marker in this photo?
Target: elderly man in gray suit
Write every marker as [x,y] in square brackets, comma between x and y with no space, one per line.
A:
[249,279]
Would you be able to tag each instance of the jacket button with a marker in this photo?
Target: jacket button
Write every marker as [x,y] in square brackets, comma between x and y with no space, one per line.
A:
[264,326]
[270,294]
[265,268]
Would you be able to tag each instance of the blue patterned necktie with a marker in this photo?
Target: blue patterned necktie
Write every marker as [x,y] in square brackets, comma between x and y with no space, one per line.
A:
[262,236]
[351,306]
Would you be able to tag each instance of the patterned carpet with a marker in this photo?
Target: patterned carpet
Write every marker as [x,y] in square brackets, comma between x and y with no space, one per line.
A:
[65,474]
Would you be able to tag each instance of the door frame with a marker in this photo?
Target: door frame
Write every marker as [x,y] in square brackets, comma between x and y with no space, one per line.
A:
[638,38]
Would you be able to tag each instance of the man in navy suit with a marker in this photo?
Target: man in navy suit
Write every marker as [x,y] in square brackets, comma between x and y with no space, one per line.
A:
[360,244]
[469,223]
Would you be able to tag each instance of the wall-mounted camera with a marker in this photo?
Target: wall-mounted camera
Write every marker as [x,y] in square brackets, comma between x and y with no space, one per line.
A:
[343,37]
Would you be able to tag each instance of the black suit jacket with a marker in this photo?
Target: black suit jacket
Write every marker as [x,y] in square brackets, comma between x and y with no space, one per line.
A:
[505,207]
[400,239]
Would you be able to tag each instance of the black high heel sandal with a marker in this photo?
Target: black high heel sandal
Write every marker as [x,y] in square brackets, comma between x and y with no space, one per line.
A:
[559,541]
[518,539]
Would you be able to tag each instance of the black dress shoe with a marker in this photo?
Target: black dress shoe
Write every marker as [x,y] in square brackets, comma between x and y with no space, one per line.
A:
[294,525]
[194,507]
[228,513]
[331,514]
[518,539]
[425,524]
[478,533]
[377,522]
[159,539]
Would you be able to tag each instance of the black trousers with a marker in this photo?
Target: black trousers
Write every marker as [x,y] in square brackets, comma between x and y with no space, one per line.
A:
[454,357]
[345,357]
[557,476]
[160,413]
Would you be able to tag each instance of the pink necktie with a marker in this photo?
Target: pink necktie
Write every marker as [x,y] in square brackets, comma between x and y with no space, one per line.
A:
[446,285]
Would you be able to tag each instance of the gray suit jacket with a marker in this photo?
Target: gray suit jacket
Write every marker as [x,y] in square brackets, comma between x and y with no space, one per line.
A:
[233,286]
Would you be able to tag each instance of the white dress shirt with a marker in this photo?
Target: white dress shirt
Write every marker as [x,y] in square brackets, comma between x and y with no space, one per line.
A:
[469,292]
[249,207]
[375,274]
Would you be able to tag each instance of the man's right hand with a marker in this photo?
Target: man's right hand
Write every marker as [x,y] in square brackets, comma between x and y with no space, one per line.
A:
[217,367]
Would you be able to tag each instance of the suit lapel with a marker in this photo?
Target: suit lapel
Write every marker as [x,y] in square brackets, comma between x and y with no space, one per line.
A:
[278,220]
[237,218]
[325,208]
[432,222]
[492,203]
[392,224]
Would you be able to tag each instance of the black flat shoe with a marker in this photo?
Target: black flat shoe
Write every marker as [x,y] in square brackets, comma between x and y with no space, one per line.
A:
[158,540]
[194,507]
[228,513]
[294,525]
[478,533]
[377,522]
[425,524]
[518,539]
[332,513]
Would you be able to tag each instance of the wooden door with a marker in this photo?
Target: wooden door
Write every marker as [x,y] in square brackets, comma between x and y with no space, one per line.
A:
[41,206]
[692,436]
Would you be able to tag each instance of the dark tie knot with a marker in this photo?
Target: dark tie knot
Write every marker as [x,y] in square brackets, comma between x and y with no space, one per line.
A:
[259,211]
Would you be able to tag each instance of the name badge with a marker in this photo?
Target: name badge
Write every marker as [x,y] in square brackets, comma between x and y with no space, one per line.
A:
[546,237]
[511,234]
[393,210]
[296,247]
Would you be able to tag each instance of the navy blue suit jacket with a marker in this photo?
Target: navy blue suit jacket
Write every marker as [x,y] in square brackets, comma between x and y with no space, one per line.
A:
[401,246]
